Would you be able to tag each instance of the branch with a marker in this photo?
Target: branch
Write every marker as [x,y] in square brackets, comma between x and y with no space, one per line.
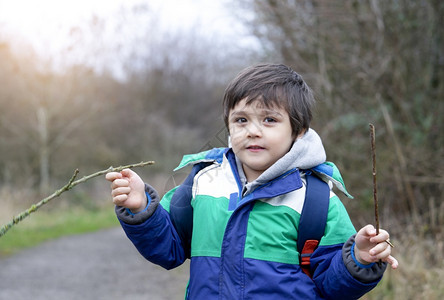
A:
[71,183]
[375,188]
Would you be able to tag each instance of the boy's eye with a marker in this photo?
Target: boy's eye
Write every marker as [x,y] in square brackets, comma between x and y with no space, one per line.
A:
[240,120]
[269,120]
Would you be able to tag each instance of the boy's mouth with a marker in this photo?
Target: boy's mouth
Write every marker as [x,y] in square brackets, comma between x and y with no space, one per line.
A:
[255,148]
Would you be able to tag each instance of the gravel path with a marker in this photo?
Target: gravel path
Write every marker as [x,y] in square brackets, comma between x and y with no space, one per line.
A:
[100,265]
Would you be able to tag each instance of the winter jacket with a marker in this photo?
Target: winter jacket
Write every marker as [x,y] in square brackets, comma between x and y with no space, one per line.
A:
[241,237]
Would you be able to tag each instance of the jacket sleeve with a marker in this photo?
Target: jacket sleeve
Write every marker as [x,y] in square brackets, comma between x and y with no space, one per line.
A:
[153,233]
[336,273]
[162,233]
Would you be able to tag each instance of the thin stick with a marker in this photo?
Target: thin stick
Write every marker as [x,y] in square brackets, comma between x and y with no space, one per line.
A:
[71,183]
[375,188]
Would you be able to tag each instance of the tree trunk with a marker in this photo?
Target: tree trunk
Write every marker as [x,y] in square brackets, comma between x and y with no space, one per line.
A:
[42,119]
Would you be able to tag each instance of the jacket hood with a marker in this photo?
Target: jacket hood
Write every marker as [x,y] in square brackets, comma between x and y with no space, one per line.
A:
[306,152]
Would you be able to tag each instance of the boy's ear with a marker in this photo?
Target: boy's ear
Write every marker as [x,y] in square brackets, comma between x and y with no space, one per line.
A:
[299,135]
[229,141]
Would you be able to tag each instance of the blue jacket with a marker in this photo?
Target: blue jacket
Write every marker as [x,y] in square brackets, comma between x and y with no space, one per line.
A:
[242,241]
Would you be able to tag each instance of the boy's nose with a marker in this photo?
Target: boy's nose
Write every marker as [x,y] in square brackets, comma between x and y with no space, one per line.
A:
[254,130]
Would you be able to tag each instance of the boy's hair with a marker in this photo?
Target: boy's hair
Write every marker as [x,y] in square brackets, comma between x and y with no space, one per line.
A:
[272,84]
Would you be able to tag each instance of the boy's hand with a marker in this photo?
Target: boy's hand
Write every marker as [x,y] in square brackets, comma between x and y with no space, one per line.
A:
[370,247]
[128,190]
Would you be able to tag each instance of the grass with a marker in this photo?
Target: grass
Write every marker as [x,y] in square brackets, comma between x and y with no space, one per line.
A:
[421,256]
[421,269]
[46,225]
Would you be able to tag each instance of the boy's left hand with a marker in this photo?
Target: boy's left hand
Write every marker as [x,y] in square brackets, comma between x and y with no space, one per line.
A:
[370,247]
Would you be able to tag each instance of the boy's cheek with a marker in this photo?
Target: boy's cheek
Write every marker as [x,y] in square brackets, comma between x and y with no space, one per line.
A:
[233,129]
[236,133]
[235,143]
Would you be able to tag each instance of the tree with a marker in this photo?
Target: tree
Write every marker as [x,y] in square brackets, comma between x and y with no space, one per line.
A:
[164,100]
[370,61]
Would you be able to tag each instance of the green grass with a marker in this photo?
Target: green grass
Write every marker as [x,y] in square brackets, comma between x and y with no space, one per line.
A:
[43,226]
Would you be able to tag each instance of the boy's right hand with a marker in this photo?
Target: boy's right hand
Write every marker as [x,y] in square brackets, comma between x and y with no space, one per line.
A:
[128,190]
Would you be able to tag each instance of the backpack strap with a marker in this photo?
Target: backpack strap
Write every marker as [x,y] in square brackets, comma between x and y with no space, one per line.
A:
[313,219]
[181,211]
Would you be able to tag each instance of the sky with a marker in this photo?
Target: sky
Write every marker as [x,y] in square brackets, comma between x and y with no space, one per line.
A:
[50,26]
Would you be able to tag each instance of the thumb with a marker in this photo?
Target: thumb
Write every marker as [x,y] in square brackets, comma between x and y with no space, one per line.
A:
[369,230]
[363,236]
[134,179]
[127,173]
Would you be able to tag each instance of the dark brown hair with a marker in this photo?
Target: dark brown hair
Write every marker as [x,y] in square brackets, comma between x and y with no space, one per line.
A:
[272,84]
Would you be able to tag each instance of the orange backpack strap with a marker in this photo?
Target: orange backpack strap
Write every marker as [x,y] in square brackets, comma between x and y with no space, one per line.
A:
[313,219]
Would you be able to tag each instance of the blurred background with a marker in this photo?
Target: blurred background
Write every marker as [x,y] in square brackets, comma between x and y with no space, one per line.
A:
[90,84]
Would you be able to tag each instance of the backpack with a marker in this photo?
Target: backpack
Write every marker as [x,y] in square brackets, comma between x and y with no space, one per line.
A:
[313,219]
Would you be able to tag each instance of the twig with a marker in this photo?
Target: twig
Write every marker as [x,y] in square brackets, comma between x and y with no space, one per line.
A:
[71,183]
[375,188]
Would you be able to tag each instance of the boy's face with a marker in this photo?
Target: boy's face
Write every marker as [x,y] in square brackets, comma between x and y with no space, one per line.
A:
[259,136]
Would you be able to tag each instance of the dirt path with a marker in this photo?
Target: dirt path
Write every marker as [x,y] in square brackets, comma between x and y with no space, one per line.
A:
[101,265]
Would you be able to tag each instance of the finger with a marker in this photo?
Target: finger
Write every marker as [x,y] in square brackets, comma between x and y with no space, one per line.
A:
[119,200]
[392,261]
[381,237]
[119,183]
[120,191]
[380,251]
[112,176]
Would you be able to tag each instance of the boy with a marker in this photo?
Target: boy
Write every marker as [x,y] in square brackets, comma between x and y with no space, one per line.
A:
[236,215]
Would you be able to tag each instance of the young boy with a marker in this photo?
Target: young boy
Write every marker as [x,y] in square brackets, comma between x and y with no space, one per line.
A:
[236,215]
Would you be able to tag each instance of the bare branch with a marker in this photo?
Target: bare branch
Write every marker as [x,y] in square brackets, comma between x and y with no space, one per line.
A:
[71,183]
[375,188]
